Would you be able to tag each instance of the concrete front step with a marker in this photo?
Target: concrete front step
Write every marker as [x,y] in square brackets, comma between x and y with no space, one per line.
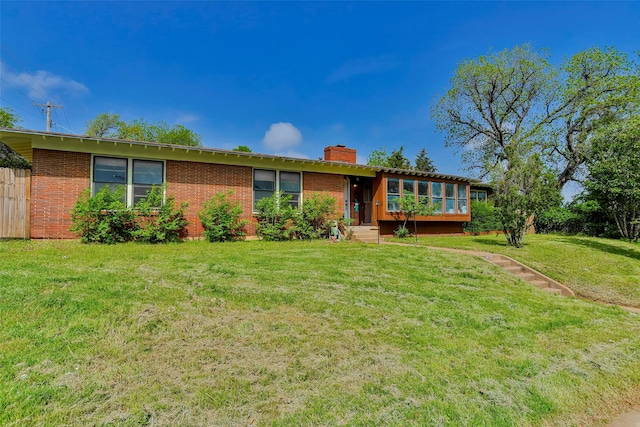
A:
[365,234]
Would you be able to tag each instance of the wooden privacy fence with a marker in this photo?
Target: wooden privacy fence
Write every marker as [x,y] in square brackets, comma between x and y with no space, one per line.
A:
[15,192]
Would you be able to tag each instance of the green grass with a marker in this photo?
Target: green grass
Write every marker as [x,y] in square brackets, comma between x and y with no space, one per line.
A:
[298,333]
[597,269]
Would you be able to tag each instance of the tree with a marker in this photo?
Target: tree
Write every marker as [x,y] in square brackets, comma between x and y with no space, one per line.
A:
[398,160]
[105,125]
[109,125]
[8,118]
[614,174]
[424,163]
[596,86]
[504,107]
[243,148]
[521,191]
[378,157]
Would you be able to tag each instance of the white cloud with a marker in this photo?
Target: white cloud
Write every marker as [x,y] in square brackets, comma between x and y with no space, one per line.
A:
[281,136]
[42,83]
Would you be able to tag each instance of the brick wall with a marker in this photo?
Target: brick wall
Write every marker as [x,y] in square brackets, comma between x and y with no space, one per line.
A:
[198,182]
[332,184]
[58,178]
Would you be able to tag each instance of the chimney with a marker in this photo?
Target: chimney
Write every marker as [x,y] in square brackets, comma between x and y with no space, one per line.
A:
[340,153]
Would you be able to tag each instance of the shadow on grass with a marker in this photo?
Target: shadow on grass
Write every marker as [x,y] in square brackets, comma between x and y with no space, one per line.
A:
[604,247]
[490,242]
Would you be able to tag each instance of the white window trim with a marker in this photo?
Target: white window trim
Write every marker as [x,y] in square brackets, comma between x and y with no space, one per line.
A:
[129,184]
[277,189]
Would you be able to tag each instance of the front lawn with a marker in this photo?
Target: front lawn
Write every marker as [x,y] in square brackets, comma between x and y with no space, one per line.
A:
[598,269]
[298,333]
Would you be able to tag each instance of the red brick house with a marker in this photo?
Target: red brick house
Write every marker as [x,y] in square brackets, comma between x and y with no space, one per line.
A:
[65,165]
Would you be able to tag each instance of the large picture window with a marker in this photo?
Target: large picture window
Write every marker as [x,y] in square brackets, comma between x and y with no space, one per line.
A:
[445,197]
[267,182]
[137,176]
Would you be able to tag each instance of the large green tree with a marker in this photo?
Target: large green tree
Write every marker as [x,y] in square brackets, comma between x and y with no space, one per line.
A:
[505,107]
[593,88]
[109,125]
[614,174]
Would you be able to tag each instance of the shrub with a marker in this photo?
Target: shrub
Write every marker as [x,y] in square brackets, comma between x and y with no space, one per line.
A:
[276,218]
[483,218]
[221,219]
[103,218]
[313,220]
[402,232]
[160,222]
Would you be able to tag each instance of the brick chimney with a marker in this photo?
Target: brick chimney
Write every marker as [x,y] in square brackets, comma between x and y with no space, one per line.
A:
[340,153]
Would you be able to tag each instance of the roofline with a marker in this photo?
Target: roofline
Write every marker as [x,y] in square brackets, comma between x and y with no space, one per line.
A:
[247,155]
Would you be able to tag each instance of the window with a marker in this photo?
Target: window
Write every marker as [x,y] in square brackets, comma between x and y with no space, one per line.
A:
[146,174]
[138,176]
[423,192]
[264,185]
[393,194]
[408,188]
[479,195]
[436,197]
[108,172]
[267,182]
[450,194]
[290,185]
[462,198]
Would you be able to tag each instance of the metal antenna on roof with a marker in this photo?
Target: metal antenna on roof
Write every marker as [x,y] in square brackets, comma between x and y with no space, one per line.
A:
[49,107]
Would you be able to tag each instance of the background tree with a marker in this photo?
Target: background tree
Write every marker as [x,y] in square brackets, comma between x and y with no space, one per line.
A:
[398,160]
[105,125]
[378,157]
[614,174]
[243,148]
[8,118]
[423,162]
[109,125]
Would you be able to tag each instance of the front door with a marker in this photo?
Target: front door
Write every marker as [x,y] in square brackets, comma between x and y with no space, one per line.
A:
[360,203]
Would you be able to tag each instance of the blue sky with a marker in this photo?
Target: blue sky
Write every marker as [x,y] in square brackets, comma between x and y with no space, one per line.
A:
[283,78]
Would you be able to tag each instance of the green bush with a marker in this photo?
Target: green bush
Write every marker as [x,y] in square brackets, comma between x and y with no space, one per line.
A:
[221,219]
[276,218]
[402,232]
[103,218]
[484,218]
[313,220]
[160,222]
